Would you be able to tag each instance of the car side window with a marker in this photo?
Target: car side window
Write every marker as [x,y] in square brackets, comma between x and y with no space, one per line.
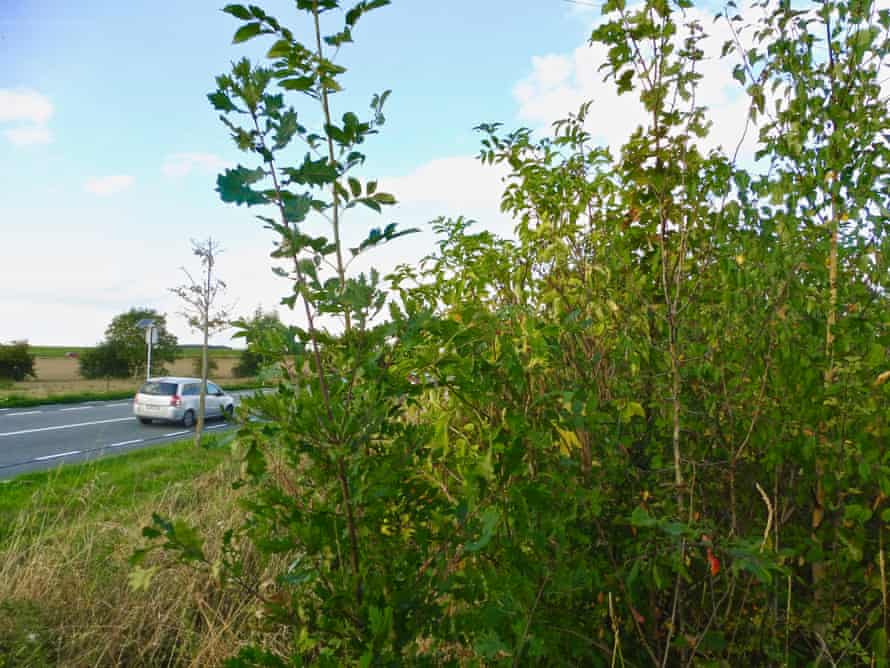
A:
[190,390]
[213,389]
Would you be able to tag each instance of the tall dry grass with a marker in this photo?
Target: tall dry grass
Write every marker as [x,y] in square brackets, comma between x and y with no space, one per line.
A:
[65,598]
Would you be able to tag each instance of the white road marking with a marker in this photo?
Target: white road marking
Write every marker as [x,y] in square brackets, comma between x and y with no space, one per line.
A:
[62,426]
[122,443]
[126,403]
[57,455]
[25,413]
[78,408]
[176,433]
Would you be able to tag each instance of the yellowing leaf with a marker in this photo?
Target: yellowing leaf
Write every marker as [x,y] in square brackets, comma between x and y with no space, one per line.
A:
[140,578]
[568,440]
[882,378]
[631,408]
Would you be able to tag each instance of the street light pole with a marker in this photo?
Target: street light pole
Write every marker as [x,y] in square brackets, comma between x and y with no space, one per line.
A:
[148,339]
[151,335]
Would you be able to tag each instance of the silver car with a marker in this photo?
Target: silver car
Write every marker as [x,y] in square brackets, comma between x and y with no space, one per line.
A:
[175,399]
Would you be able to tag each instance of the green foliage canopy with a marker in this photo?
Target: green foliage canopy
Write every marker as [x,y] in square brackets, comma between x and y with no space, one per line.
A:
[652,430]
[16,361]
[123,353]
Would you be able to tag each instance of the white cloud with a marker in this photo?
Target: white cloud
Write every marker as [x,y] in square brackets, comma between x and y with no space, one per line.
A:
[24,105]
[108,185]
[179,165]
[30,111]
[559,83]
[27,135]
[453,186]
[86,277]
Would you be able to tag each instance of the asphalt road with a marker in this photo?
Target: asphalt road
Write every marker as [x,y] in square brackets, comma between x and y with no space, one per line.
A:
[43,437]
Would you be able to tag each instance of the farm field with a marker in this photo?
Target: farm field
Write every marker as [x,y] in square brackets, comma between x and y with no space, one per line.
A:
[184,351]
[57,374]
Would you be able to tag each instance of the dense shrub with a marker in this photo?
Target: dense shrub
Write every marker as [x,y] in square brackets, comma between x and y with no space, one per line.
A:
[107,360]
[265,335]
[16,361]
[249,364]
[651,430]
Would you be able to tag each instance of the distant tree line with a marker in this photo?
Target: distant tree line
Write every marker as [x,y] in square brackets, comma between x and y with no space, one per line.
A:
[122,353]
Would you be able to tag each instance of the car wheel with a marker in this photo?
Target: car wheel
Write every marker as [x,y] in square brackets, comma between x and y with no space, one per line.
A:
[188,420]
[145,420]
[229,411]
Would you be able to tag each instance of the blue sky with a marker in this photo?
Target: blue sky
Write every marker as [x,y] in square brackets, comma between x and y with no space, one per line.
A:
[109,150]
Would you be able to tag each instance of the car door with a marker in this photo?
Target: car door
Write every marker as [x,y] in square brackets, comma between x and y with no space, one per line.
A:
[214,397]
[190,397]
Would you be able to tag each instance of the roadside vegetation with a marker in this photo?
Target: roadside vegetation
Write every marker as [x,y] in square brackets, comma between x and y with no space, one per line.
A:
[16,362]
[66,588]
[652,429]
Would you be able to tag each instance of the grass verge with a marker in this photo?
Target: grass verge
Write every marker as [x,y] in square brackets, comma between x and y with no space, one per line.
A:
[23,401]
[66,538]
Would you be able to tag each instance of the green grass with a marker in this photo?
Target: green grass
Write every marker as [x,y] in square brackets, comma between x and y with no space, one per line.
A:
[57,351]
[187,353]
[22,401]
[66,537]
[111,483]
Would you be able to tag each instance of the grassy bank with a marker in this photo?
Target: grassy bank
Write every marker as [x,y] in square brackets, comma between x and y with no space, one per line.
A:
[65,538]
[14,400]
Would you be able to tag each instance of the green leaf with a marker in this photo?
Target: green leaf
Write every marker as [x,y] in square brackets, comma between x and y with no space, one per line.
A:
[355,187]
[490,519]
[280,49]
[296,207]
[301,84]
[221,102]
[247,31]
[255,462]
[641,518]
[285,129]
[384,198]
[312,172]
[879,648]
[238,11]
[234,186]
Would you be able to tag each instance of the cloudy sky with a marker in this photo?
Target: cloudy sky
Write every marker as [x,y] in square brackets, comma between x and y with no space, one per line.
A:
[109,149]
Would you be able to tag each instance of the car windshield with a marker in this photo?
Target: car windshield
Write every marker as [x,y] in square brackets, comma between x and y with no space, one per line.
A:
[158,389]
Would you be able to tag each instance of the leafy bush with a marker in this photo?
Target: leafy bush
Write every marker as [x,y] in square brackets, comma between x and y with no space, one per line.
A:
[16,361]
[652,428]
[249,364]
[109,359]
[125,343]
[266,336]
